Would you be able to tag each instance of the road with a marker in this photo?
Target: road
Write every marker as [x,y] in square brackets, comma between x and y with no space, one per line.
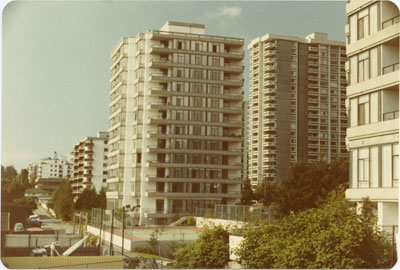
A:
[52,223]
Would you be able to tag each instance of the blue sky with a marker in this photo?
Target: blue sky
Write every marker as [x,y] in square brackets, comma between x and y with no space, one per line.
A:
[56,58]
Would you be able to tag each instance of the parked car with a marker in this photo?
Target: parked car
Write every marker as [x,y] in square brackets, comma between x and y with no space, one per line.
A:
[19,227]
[34,221]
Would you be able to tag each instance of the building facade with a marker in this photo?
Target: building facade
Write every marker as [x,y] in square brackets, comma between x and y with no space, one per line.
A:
[33,171]
[176,121]
[297,103]
[51,167]
[373,105]
[90,163]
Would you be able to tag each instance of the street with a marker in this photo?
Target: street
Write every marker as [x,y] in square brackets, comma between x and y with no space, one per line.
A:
[52,223]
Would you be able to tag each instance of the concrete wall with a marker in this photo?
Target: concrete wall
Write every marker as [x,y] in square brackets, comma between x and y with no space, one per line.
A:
[234,242]
[204,222]
[70,262]
[34,240]
[283,110]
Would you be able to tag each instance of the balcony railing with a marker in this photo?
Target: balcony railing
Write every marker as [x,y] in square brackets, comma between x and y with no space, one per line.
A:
[391,115]
[390,68]
[390,22]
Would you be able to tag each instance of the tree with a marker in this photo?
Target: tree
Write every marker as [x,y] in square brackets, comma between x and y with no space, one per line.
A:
[63,201]
[329,236]
[87,200]
[211,250]
[247,193]
[28,201]
[102,200]
[24,177]
[9,173]
[309,184]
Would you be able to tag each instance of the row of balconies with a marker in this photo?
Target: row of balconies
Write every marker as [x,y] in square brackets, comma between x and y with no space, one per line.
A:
[230,165]
[166,63]
[163,77]
[158,49]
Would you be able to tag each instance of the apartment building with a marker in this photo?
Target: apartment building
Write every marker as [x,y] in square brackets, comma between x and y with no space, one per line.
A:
[90,163]
[50,167]
[297,103]
[373,105]
[33,171]
[176,121]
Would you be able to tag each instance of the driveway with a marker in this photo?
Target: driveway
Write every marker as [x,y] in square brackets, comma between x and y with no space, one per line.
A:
[52,223]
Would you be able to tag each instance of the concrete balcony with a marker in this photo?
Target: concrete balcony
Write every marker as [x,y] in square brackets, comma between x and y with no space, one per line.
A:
[386,34]
[374,194]
[161,35]
[155,193]
[232,165]
[160,77]
[232,124]
[226,109]
[376,133]
[157,49]
[231,152]
[231,180]
[228,137]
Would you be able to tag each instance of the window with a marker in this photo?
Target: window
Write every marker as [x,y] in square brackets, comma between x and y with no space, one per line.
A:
[214,117]
[196,130]
[363,66]
[197,116]
[180,73]
[214,103]
[214,131]
[179,101]
[215,61]
[181,45]
[179,115]
[395,166]
[214,75]
[363,165]
[362,24]
[181,58]
[215,89]
[198,60]
[198,74]
[363,110]
[197,46]
[197,102]
[179,87]
[198,88]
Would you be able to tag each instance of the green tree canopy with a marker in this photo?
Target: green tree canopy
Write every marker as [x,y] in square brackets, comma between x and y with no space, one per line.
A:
[329,236]
[87,200]
[9,173]
[63,201]
[102,200]
[28,201]
[306,186]
[247,193]
[211,250]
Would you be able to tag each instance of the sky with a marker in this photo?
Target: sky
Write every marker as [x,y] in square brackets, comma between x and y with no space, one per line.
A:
[56,58]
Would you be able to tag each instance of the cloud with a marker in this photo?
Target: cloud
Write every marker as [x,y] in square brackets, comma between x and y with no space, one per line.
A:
[230,11]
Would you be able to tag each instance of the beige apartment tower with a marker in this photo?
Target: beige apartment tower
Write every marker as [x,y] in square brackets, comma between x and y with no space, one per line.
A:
[90,164]
[373,105]
[176,121]
[297,103]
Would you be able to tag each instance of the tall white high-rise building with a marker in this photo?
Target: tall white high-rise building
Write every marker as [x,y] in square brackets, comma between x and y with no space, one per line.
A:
[297,103]
[90,163]
[176,121]
[373,105]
